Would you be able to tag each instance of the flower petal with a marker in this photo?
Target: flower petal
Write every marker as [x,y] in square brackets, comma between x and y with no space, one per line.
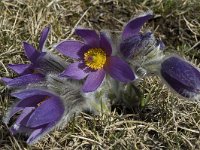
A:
[43,38]
[32,101]
[119,69]
[30,52]
[133,27]
[105,44]
[24,114]
[19,125]
[70,48]
[30,93]
[130,46]
[51,110]
[39,132]
[21,68]
[6,80]
[181,76]
[75,71]
[34,135]
[29,102]
[93,81]
[89,36]
[25,80]
[84,49]
[141,44]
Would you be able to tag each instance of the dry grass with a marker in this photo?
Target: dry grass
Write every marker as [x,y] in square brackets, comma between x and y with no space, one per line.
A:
[166,122]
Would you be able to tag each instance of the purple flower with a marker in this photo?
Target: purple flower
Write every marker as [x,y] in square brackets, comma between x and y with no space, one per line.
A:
[94,60]
[32,54]
[133,42]
[39,111]
[40,64]
[181,76]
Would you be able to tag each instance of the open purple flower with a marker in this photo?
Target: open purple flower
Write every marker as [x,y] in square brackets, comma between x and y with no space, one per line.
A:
[35,71]
[181,76]
[134,42]
[94,60]
[40,112]
[32,54]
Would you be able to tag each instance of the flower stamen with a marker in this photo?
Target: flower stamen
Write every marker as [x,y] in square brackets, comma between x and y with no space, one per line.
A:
[95,58]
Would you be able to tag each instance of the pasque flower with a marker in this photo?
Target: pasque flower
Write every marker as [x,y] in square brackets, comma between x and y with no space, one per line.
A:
[134,42]
[94,60]
[28,72]
[40,111]
[181,76]
[41,63]
[142,50]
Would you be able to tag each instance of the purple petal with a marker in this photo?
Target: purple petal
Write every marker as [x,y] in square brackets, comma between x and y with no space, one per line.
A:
[6,80]
[130,46]
[93,81]
[24,114]
[181,76]
[119,69]
[84,49]
[105,44]
[75,71]
[70,48]
[25,80]
[21,128]
[89,36]
[37,133]
[19,125]
[133,27]
[30,102]
[30,92]
[21,68]
[43,38]
[51,110]
[30,52]
[34,135]
[138,45]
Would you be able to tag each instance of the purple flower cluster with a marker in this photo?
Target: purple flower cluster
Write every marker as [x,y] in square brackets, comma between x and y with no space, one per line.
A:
[43,102]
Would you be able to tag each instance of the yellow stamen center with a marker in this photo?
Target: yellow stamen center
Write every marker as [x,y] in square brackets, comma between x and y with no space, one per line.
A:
[95,58]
